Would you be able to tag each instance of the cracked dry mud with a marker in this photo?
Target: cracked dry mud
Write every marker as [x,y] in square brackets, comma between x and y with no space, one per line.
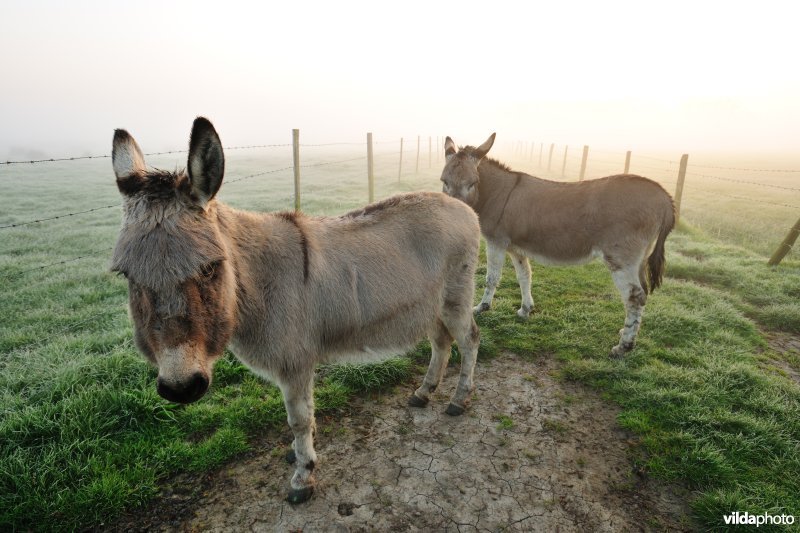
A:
[531,454]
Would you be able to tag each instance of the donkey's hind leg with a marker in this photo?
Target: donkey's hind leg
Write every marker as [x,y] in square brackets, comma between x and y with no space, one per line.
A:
[634,296]
[523,269]
[441,341]
[468,336]
[495,257]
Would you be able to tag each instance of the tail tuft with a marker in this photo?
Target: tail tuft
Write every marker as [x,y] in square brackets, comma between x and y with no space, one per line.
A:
[657,262]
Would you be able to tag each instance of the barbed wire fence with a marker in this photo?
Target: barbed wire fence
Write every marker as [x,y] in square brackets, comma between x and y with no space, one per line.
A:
[296,168]
[670,173]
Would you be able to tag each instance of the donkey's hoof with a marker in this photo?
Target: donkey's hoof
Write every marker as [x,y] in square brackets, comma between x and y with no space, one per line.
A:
[297,496]
[480,308]
[416,401]
[621,349]
[524,312]
[454,410]
[291,457]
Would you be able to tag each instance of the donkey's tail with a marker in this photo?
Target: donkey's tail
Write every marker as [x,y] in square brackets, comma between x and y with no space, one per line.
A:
[656,262]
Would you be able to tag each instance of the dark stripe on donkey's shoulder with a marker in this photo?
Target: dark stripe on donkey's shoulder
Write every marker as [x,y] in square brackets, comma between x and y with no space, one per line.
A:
[291,216]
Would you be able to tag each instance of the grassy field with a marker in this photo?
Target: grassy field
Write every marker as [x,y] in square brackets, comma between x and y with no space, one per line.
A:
[83,434]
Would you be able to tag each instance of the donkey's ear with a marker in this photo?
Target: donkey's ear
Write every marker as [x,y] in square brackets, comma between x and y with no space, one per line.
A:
[126,156]
[206,160]
[482,150]
[449,148]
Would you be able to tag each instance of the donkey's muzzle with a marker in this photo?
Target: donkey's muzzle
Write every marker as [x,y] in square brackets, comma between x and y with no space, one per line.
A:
[188,392]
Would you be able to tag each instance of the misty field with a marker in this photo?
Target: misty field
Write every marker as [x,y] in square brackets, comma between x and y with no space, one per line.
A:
[713,399]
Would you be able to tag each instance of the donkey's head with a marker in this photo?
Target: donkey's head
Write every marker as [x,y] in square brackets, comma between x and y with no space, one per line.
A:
[180,280]
[460,174]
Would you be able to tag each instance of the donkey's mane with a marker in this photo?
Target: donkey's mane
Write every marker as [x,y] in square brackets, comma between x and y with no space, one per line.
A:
[496,163]
[155,182]
[470,151]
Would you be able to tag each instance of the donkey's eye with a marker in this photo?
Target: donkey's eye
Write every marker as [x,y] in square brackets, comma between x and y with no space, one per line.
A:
[209,271]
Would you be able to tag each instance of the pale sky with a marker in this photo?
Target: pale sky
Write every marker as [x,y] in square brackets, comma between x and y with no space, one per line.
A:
[682,76]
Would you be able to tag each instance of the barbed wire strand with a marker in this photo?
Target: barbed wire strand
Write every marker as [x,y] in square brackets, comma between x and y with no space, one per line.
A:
[716,193]
[57,263]
[59,216]
[234,180]
[745,181]
[107,156]
[745,169]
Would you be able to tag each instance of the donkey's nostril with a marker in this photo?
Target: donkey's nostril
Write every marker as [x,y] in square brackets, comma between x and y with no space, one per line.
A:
[198,385]
[187,392]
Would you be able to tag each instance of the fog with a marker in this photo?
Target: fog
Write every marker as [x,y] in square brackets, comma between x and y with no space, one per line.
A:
[713,76]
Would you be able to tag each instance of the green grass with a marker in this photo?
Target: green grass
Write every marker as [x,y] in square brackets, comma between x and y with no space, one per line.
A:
[83,434]
[504,422]
[369,377]
[695,390]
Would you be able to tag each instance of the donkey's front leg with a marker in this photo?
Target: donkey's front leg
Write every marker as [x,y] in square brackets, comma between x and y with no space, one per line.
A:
[298,396]
[495,257]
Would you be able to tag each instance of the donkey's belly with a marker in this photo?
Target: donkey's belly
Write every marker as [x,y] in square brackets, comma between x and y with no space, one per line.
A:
[380,336]
[556,260]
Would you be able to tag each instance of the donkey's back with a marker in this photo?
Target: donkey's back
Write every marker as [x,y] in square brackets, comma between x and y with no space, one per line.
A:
[384,274]
[605,217]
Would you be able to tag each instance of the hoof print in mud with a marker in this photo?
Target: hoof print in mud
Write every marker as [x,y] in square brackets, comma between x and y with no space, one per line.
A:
[297,496]
[454,410]
[416,401]
[345,509]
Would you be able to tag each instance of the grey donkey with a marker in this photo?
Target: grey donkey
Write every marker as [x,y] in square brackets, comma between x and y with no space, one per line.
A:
[286,291]
[623,220]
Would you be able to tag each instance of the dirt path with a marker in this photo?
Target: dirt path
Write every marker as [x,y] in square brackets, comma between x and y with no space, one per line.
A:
[788,346]
[556,462]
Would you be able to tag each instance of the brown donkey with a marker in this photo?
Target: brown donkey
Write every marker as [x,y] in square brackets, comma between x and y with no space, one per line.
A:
[622,219]
[288,291]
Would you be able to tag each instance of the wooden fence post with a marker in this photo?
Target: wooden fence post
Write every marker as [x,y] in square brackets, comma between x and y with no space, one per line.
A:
[564,164]
[400,166]
[541,147]
[786,245]
[584,159]
[679,187]
[296,159]
[627,162]
[533,146]
[370,175]
[550,157]
[416,171]
[430,151]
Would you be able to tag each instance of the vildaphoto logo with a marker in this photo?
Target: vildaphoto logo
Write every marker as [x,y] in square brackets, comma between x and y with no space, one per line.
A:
[746,519]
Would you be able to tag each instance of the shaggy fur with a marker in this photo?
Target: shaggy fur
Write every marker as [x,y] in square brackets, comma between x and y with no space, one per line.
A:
[287,291]
[622,219]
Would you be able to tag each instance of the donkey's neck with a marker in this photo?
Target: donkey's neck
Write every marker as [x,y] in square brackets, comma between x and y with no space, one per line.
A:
[246,235]
[496,184]
[262,245]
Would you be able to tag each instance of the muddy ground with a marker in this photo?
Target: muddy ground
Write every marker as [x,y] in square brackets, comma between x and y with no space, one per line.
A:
[788,346]
[531,454]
